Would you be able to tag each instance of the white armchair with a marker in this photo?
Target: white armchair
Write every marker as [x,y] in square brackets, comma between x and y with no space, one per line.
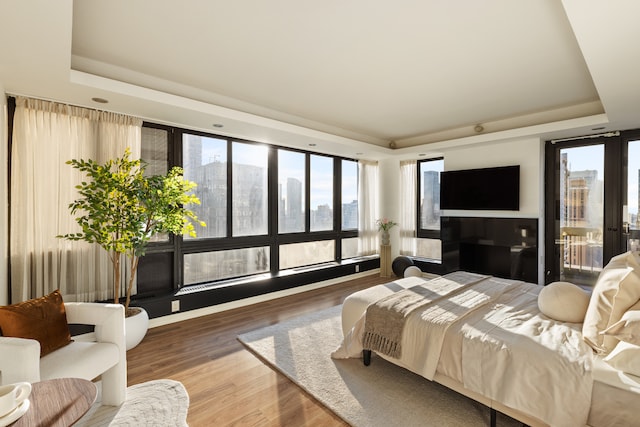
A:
[105,356]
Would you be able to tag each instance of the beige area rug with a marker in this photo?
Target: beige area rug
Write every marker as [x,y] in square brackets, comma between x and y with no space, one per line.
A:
[157,403]
[381,394]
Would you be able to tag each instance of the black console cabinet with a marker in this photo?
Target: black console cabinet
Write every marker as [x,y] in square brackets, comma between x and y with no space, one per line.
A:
[501,247]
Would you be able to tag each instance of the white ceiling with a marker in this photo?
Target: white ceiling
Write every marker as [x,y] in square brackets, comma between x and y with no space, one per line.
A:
[349,76]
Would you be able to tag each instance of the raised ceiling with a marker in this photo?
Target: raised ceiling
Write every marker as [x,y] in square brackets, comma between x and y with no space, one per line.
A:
[355,74]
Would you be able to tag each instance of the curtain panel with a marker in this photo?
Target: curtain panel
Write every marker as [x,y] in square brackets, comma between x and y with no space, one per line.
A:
[368,188]
[408,206]
[45,136]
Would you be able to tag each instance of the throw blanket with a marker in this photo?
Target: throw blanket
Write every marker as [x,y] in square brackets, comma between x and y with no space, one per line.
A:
[385,319]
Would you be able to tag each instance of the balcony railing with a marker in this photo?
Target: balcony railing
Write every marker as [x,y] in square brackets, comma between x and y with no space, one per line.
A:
[581,251]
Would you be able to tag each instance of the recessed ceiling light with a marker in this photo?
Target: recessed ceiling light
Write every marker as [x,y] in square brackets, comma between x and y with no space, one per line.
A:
[359,154]
[312,145]
[421,155]
[218,125]
[100,100]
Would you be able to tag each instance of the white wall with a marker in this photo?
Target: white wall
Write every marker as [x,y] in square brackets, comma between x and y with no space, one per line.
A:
[4,204]
[528,153]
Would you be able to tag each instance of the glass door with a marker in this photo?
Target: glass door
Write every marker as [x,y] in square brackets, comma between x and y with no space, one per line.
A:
[579,232]
[591,205]
[631,215]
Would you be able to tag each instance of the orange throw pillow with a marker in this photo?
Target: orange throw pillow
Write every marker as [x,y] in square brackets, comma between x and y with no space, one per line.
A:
[43,319]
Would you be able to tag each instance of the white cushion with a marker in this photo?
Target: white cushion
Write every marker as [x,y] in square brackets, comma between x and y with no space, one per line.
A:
[412,271]
[563,301]
[625,357]
[628,327]
[79,360]
[617,289]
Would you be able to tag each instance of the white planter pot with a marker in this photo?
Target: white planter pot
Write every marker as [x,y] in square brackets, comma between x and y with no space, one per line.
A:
[135,327]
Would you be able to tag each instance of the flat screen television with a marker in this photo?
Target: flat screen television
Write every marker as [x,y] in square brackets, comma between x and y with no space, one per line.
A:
[495,188]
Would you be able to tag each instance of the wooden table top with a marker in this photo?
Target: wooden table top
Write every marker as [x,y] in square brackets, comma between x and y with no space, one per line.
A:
[59,402]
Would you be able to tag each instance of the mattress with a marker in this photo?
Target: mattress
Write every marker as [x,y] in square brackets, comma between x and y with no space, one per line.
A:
[615,395]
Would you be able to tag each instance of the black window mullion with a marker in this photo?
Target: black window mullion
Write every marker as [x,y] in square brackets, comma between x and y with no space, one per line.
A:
[175,159]
[274,245]
[417,195]
[229,189]
[307,193]
[337,207]
[613,155]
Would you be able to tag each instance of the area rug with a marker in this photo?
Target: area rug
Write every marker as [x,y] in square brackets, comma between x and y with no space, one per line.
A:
[154,403]
[381,394]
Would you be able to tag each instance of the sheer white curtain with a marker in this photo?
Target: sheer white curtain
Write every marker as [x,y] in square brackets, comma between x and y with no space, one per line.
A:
[45,136]
[368,189]
[408,226]
[4,203]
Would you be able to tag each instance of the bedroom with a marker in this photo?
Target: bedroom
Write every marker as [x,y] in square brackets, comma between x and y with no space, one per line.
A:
[605,102]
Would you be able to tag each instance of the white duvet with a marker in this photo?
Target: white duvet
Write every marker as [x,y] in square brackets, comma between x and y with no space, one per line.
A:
[492,338]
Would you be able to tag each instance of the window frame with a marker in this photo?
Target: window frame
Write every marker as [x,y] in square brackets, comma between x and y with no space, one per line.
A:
[423,233]
[180,247]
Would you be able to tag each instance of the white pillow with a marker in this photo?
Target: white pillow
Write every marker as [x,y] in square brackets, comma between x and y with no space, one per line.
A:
[625,357]
[617,289]
[628,327]
[563,301]
[412,271]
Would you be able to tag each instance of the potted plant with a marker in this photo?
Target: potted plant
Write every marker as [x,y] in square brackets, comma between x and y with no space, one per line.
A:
[384,225]
[120,209]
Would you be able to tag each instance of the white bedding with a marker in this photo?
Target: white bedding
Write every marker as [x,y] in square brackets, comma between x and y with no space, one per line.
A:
[615,397]
[494,340]
[516,356]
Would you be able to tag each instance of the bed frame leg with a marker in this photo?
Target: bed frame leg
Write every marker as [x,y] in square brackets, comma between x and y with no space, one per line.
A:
[493,417]
[366,357]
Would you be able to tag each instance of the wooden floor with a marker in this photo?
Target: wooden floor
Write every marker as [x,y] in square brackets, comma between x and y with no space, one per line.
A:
[228,385]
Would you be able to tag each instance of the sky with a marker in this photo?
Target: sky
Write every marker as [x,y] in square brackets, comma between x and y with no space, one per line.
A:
[591,157]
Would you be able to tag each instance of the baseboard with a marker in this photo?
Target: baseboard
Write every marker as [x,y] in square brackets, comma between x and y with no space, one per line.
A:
[192,314]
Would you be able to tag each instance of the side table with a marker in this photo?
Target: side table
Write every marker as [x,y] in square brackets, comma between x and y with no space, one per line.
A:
[59,402]
[385,261]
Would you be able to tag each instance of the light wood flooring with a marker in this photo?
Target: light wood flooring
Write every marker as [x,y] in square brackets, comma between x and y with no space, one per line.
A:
[228,385]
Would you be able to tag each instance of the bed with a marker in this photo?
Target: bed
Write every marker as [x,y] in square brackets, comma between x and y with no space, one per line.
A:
[486,337]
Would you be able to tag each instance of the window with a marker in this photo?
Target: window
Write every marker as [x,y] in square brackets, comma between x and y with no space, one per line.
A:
[350,248]
[632,217]
[266,208]
[306,253]
[249,189]
[349,192]
[429,194]
[205,163]
[321,193]
[155,150]
[291,191]
[428,243]
[211,266]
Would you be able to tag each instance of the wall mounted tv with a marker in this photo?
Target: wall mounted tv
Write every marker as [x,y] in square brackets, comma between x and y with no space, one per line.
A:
[481,189]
